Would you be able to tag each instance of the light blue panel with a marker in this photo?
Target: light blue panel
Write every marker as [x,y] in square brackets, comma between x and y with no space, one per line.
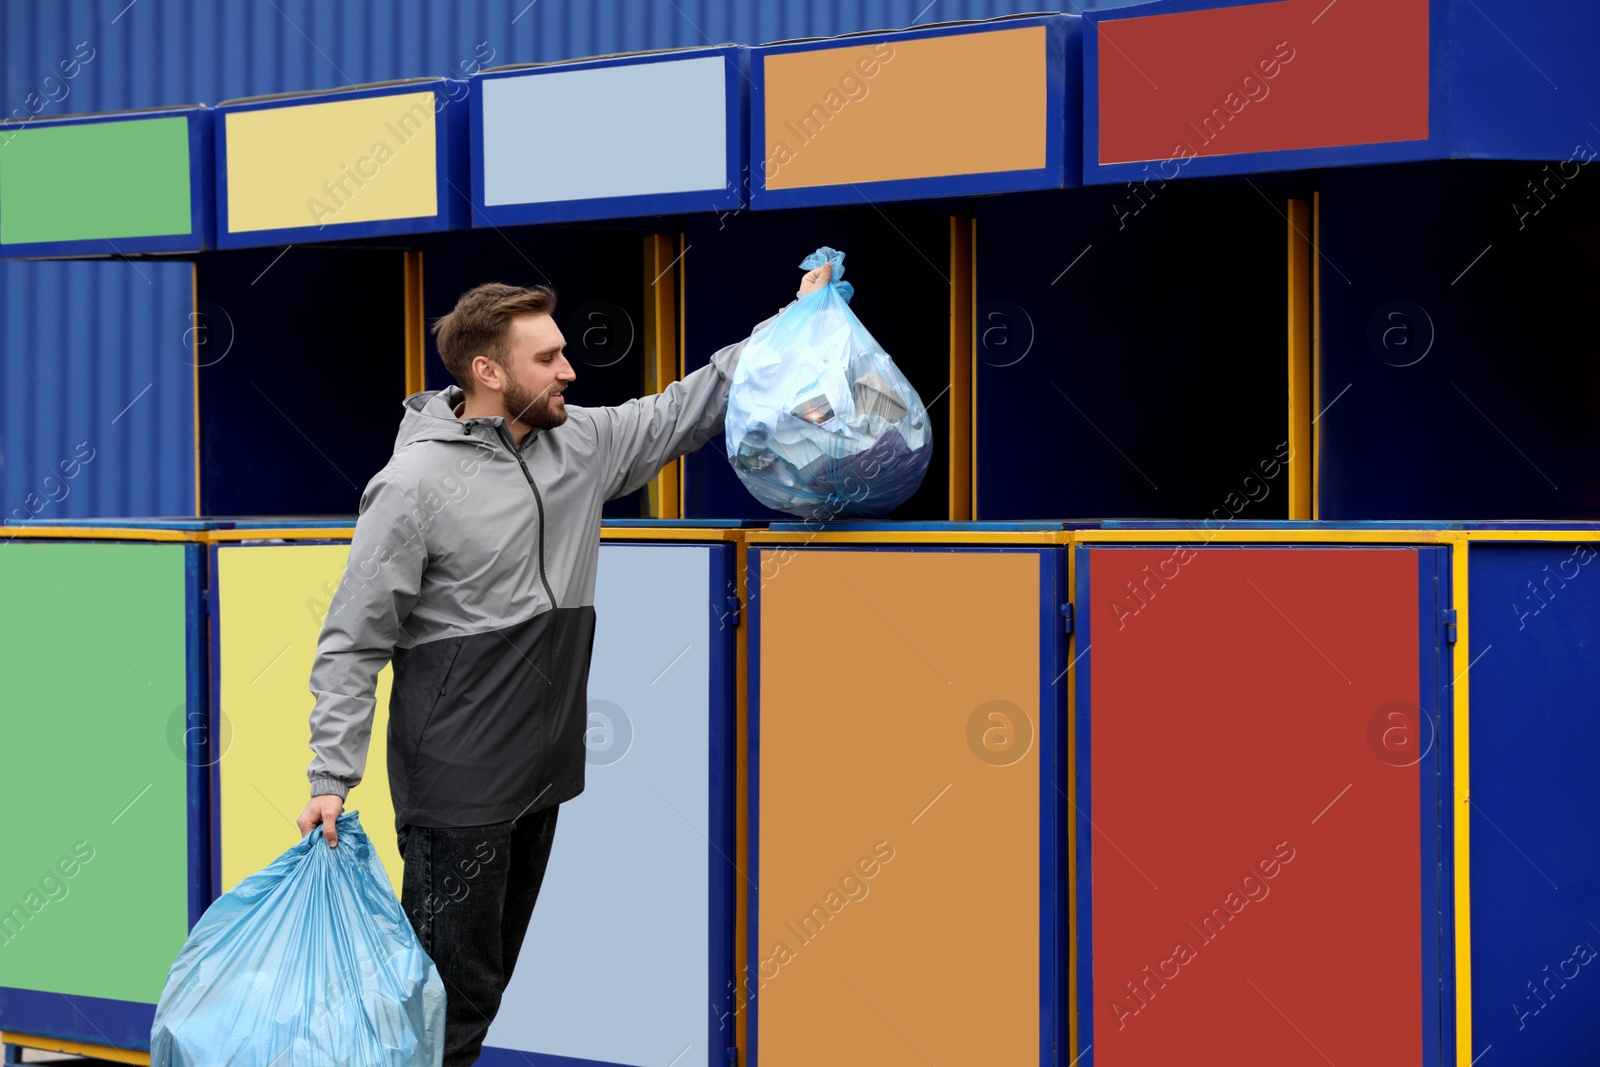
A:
[622,131]
[615,965]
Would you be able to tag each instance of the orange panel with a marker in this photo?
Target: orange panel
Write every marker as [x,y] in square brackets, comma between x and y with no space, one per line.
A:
[878,675]
[965,104]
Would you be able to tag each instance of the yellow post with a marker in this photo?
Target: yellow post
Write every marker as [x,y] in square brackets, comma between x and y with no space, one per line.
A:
[1302,367]
[75,1048]
[661,262]
[416,324]
[963,372]
[1069,678]
[1460,796]
[741,806]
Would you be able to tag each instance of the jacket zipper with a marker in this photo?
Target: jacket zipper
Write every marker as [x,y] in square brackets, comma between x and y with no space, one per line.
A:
[539,501]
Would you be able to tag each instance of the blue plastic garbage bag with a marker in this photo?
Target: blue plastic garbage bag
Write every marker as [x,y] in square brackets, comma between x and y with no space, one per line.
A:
[821,423]
[307,963]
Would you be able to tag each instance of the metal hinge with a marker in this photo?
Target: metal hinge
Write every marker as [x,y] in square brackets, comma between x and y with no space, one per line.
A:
[1066,618]
[732,614]
[1450,625]
[733,1056]
[207,600]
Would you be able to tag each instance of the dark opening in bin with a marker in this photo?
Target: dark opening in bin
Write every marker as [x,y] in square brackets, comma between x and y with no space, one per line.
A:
[1131,353]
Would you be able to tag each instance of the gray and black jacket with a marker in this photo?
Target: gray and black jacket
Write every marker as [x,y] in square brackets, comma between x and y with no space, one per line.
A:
[473,567]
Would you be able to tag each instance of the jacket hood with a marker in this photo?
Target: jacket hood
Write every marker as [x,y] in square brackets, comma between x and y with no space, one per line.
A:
[431,416]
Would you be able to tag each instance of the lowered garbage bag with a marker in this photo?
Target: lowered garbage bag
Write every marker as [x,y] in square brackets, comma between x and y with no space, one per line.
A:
[821,423]
[307,963]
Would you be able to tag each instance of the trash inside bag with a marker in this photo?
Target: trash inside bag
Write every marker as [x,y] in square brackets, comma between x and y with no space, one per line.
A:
[821,423]
[307,963]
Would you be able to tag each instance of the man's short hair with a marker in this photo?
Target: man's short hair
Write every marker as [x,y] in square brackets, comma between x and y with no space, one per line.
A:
[480,325]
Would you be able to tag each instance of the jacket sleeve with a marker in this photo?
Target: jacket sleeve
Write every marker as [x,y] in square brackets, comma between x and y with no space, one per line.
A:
[637,439]
[381,583]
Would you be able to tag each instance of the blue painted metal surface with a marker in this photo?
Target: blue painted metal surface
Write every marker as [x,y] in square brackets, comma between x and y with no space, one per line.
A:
[96,390]
[1535,816]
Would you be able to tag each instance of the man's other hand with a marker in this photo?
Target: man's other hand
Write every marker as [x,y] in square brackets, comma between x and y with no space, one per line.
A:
[325,811]
[816,279]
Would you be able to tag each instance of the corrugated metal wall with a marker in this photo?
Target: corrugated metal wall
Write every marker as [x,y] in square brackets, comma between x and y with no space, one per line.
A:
[81,340]
[98,397]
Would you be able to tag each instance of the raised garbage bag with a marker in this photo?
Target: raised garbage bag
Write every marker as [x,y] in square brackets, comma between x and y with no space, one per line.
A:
[821,423]
[307,963]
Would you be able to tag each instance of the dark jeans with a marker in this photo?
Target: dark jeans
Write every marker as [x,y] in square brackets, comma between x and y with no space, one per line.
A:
[469,892]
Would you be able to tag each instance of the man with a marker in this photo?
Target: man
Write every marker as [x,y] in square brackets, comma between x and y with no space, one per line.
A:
[472,567]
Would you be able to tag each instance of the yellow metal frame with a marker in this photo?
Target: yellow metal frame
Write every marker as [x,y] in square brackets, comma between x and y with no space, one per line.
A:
[287,533]
[1202,536]
[75,1048]
[416,324]
[103,533]
[963,366]
[635,533]
[1301,365]
[1461,755]
[741,806]
[909,537]
[1070,888]
[661,351]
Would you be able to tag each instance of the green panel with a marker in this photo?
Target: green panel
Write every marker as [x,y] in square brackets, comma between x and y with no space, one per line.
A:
[96,180]
[92,653]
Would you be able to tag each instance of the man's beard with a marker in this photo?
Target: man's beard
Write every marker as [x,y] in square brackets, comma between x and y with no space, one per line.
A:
[532,409]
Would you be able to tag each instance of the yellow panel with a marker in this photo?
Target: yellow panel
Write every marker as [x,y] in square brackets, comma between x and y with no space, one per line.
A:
[966,104]
[272,601]
[876,671]
[334,163]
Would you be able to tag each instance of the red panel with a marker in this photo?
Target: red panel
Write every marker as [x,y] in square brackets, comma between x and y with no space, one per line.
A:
[1262,78]
[1228,715]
